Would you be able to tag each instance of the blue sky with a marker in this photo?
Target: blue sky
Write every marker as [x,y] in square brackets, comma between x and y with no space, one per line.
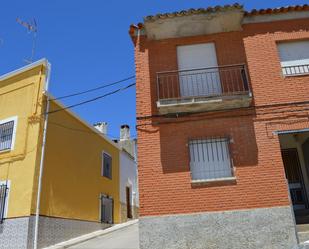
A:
[87,43]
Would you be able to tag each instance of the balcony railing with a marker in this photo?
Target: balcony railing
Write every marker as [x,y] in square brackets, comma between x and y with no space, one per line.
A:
[202,82]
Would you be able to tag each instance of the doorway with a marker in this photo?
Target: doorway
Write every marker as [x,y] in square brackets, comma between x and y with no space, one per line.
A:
[294,151]
[129,206]
[295,178]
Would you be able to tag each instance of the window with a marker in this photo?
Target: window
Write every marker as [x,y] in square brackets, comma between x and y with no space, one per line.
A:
[210,159]
[4,188]
[107,166]
[106,206]
[198,70]
[294,57]
[7,134]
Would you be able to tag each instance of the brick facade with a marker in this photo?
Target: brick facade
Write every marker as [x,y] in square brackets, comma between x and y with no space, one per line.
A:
[164,174]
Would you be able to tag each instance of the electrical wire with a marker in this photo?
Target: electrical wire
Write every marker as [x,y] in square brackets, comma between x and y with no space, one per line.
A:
[79,130]
[93,89]
[91,100]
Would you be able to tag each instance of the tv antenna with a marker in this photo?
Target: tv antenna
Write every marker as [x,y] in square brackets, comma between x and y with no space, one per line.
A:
[32,28]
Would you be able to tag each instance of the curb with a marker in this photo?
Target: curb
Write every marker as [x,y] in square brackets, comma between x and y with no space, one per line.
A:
[92,235]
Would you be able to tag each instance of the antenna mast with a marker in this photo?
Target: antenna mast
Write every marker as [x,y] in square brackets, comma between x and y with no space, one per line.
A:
[32,28]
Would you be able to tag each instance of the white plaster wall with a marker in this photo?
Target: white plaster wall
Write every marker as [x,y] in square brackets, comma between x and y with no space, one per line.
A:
[128,178]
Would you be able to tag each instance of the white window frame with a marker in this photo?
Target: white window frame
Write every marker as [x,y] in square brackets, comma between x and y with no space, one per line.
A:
[204,141]
[14,119]
[296,67]
[102,166]
[6,204]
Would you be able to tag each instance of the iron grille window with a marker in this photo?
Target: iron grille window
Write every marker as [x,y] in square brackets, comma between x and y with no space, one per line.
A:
[6,135]
[3,196]
[107,166]
[107,208]
[210,159]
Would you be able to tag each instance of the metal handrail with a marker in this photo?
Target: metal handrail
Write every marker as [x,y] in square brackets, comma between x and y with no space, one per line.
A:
[201,82]
[203,68]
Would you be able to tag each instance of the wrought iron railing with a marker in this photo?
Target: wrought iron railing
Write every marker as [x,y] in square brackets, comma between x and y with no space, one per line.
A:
[295,70]
[3,193]
[203,82]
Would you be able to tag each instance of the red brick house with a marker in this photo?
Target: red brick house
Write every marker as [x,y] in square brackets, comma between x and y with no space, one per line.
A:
[223,127]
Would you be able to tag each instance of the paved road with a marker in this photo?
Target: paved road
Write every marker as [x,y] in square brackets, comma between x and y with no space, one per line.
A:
[126,238]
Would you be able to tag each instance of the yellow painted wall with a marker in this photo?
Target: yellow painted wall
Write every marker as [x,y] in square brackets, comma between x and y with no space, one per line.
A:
[21,96]
[72,181]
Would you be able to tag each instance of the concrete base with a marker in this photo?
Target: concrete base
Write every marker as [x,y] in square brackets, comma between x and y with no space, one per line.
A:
[55,230]
[264,228]
[123,208]
[14,233]
[18,233]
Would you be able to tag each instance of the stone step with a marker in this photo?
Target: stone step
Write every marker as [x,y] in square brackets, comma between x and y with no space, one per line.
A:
[303,236]
[303,246]
[302,228]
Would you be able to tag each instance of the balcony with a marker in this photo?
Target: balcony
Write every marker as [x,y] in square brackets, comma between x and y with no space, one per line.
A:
[203,89]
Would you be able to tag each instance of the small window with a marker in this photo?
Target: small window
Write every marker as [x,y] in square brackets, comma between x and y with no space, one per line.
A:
[294,57]
[210,159]
[7,134]
[107,165]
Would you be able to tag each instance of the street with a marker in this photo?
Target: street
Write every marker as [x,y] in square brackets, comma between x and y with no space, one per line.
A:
[126,238]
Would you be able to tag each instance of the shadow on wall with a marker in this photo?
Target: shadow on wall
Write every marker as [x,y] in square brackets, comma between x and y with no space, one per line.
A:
[174,139]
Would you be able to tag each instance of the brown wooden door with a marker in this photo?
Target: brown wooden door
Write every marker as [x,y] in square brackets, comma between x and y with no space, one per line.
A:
[129,208]
[295,178]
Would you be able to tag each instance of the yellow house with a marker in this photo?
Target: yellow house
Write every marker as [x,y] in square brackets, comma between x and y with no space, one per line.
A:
[59,176]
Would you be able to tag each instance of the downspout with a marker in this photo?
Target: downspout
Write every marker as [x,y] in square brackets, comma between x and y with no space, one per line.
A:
[38,199]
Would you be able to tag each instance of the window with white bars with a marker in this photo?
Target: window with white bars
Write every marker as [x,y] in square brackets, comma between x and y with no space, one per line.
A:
[294,57]
[7,134]
[210,158]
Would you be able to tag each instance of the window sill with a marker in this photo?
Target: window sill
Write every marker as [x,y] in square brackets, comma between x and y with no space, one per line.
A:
[5,151]
[295,75]
[106,177]
[231,179]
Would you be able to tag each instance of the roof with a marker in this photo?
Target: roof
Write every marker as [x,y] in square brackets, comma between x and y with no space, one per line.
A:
[194,12]
[43,62]
[236,6]
[277,10]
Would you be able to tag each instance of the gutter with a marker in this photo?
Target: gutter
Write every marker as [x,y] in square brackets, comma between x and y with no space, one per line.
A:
[38,199]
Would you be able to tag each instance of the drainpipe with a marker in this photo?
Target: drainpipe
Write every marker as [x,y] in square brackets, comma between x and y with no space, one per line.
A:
[38,199]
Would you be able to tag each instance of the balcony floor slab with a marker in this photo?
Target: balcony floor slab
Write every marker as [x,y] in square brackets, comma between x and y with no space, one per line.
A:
[198,104]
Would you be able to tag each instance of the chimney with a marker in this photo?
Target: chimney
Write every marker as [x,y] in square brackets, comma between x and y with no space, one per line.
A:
[101,127]
[124,132]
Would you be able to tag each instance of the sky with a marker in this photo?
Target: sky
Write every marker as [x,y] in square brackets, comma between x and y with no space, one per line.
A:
[88,45]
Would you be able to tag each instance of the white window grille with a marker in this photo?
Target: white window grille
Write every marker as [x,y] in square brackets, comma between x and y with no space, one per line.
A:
[7,134]
[210,158]
[294,57]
